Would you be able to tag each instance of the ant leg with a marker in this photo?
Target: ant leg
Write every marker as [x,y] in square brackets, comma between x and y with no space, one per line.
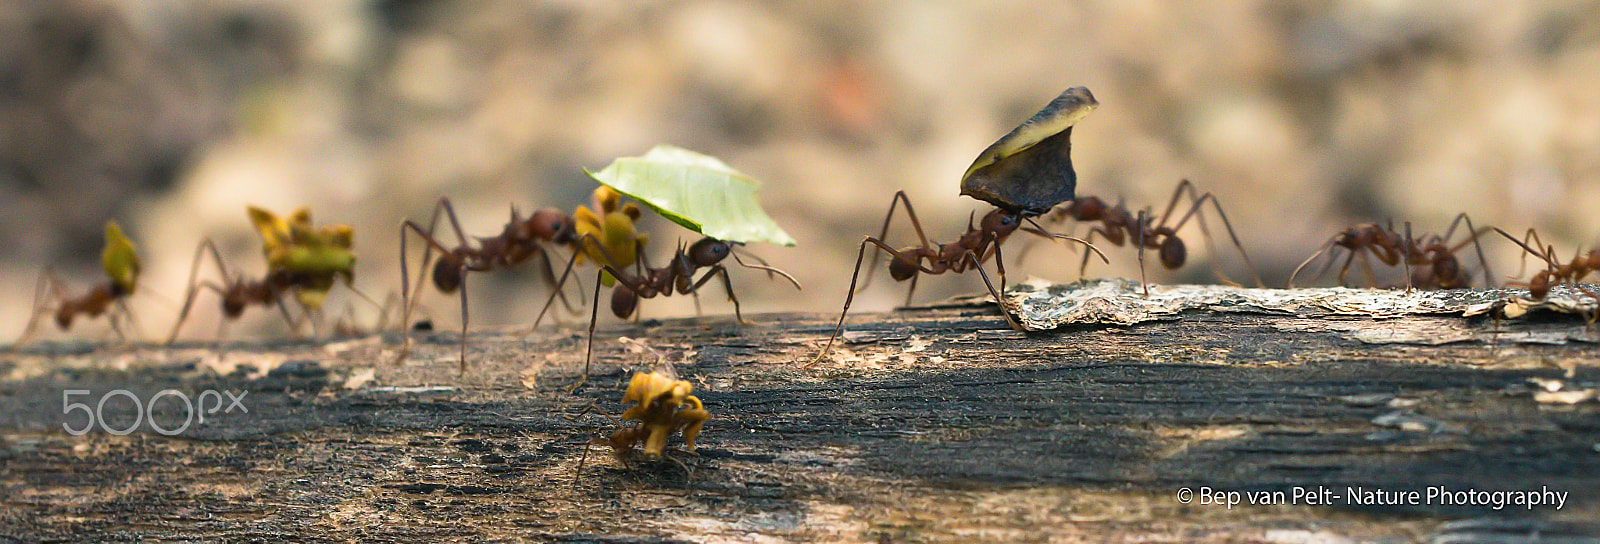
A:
[1195,209]
[727,285]
[1345,269]
[465,317]
[1366,268]
[559,285]
[1549,257]
[594,316]
[850,295]
[193,288]
[41,305]
[912,289]
[1140,221]
[1005,309]
[1407,259]
[1313,257]
[409,299]
[133,321]
[899,198]
[548,274]
[1476,233]
[289,319]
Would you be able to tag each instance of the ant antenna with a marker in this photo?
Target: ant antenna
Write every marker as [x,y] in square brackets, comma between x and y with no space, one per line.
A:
[763,266]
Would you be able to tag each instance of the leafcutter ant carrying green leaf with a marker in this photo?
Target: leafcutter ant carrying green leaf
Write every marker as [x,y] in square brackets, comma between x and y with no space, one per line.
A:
[704,195]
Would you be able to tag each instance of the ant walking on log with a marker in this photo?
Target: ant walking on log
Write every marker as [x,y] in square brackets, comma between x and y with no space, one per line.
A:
[1118,225]
[301,260]
[678,276]
[1430,262]
[520,240]
[120,260]
[1581,265]
[972,249]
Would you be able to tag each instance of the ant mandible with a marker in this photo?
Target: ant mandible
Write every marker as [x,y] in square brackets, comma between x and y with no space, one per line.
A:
[1117,225]
[972,249]
[302,260]
[520,240]
[119,259]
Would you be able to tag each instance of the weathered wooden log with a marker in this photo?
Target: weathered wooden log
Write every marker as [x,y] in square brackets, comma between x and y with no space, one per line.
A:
[932,424]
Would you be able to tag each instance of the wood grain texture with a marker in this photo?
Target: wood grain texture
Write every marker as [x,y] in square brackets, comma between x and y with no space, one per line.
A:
[932,425]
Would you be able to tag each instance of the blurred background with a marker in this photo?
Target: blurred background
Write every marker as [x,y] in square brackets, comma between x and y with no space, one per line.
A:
[1303,117]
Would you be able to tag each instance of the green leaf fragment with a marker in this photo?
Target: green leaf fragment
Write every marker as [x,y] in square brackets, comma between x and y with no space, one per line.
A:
[697,191]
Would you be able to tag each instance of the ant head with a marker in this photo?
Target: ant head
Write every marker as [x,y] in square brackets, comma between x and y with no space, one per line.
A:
[1001,222]
[1173,253]
[623,301]
[708,251]
[551,224]
[447,274]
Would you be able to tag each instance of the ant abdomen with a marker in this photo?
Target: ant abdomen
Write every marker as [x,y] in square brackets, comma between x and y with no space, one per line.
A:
[901,269]
[64,316]
[1173,253]
[623,301]
[447,275]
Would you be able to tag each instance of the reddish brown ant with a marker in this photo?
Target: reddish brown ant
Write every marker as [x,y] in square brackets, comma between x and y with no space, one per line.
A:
[678,276]
[520,240]
[1430,261]
[1118,225]
[119,259]
[1581,265]
[972,249]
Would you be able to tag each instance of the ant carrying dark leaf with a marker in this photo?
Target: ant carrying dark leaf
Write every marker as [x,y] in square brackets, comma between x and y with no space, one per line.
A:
[521,239]
[979,244]
[119,259]
[1029,170]
[1116,224]
[1430,261]
[302,261]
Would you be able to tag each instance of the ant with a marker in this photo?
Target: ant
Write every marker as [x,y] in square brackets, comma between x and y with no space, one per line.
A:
[1582,265]
[1430,261]
[520,240]
[664,407]
[1118,225]
[972,249]
[678,276]
[119,259]
[301,260]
